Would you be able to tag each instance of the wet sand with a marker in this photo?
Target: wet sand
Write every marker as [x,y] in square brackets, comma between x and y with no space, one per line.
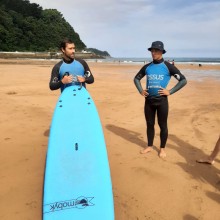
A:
[144,186]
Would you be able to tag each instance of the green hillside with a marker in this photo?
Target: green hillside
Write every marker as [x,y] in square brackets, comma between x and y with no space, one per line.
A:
[25,26]
[98,52]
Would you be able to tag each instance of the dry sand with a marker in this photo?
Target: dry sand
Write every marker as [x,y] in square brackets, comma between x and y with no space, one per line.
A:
[144,186]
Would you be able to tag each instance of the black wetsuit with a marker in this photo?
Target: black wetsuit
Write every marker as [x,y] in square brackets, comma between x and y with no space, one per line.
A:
[75,67]
[158,74]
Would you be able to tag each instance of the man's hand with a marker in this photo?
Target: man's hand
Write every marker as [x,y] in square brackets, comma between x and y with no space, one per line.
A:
[144,93]
[81,79]
[67,79]
[163,91]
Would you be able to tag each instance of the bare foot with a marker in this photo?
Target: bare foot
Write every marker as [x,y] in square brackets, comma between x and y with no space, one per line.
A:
[206,161]
[162,153]
[146,150]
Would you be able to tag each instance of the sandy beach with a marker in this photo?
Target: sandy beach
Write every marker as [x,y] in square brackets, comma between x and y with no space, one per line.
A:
[144,186]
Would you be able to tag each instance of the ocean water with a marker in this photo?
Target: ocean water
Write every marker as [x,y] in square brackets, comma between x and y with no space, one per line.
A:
[199,75]
[188,60]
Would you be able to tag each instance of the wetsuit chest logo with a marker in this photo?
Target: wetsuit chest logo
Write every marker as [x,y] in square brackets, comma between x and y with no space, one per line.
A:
[155,77]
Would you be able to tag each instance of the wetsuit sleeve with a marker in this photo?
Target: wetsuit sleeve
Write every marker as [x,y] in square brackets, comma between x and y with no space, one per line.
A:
[55,81]
[178,86]
[88,75]
[178,75]
[138,78]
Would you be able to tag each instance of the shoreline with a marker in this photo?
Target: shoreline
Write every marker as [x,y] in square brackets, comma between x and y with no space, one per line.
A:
[193,71]
[103,60]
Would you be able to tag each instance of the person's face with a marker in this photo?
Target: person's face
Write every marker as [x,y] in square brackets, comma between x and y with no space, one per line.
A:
[69,51]
[156,54]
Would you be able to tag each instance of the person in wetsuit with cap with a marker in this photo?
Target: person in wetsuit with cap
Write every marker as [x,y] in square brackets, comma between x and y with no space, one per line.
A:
[69,70]
[158,74]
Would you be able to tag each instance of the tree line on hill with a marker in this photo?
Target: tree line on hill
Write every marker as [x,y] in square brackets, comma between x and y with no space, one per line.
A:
[98,52]
[25,26]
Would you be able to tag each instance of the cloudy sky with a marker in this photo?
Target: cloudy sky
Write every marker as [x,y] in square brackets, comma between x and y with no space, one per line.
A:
[126,28]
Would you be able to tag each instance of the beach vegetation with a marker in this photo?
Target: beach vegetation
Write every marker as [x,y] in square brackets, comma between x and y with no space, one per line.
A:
[25,26]
[98,52]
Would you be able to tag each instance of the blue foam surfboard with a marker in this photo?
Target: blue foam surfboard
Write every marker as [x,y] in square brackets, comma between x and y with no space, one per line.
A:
[77,182]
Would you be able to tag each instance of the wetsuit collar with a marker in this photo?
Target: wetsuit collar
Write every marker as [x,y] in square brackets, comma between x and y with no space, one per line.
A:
[68,61]
[158,61]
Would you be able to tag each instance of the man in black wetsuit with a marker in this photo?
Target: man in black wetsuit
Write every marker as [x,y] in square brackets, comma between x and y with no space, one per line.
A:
[70,70]
[158,74]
